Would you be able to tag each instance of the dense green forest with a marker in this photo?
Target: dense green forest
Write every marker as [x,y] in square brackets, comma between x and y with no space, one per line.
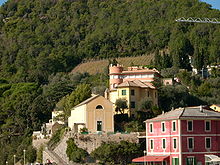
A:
[41,37]
[42,40]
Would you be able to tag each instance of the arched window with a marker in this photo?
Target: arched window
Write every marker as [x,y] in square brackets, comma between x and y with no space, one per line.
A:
[99,107]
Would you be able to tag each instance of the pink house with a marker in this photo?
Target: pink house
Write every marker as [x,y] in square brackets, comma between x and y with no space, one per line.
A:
[118,75]
[184,136]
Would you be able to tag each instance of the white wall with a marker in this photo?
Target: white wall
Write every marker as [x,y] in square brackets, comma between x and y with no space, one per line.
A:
[78,115]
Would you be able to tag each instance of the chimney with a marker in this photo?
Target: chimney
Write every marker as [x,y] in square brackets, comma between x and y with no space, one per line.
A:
[201,108]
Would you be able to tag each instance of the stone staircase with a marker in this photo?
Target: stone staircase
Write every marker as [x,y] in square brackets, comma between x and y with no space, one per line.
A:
[61,149]
[53,157]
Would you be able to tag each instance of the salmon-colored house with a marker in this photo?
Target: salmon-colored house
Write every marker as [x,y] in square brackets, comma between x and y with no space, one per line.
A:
[185,136]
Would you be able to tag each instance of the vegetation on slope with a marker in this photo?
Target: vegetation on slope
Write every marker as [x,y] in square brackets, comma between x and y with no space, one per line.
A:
[43,37]
[100,66]
[25,106]
[117,153]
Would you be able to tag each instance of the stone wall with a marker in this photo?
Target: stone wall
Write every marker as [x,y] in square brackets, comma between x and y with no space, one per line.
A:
[92,141]
[37,143]
[88,142]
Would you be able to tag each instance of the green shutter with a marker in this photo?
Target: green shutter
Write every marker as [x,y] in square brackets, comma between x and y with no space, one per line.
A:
[187,162]
[194,160]
[177,161]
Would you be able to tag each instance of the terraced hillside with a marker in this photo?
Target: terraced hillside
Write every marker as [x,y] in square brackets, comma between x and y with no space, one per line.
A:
[99,66]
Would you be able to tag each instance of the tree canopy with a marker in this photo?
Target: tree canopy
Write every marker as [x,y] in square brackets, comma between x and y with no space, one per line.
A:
[42,40]
[39,37]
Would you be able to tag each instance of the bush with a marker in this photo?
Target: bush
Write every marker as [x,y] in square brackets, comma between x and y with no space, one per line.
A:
[134,126]
[74,153]
[117,153]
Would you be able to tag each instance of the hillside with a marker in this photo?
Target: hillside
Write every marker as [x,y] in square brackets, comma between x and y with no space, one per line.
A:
[41,41]
[39,38]
[99,66]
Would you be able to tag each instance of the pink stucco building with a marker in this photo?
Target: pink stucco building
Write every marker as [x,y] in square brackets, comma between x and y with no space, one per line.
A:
[118,75]
[184,136]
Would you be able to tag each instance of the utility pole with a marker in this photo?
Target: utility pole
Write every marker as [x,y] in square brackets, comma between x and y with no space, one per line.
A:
[14,159]
[24,156]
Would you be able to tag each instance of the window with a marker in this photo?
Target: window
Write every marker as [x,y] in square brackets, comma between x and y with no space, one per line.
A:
[132,92]
[132,104]
[207,125]
[174,126]
[164,143]
[151,144]
[163,127]
[190,143]
[155,94]
[174,143]
[123,92]
[208,143]
[148,94]
[190,161]
[190,126]
[99,125]
[175,161]
[164,163]
[99,107]
[151,127]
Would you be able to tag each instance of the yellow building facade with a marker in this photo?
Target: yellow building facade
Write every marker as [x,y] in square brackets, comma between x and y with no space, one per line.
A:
[95,114]
[133,92]
[133,85]
[215,107]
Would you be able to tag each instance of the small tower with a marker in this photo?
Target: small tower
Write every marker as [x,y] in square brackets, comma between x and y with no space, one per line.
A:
[115,75]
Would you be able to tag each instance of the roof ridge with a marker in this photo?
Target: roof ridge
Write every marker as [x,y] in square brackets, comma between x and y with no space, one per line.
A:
[182,112]
[86,101]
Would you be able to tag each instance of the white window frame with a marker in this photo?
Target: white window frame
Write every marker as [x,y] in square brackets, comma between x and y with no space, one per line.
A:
[176,143]
[188,125]
[151,147]
[210,143]
[192,143]
[175,125]
[152,127]
[162,127]
[209,125]
[165,143]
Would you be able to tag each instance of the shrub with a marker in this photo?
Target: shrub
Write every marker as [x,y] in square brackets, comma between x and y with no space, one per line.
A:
[117,153]
[74,153]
